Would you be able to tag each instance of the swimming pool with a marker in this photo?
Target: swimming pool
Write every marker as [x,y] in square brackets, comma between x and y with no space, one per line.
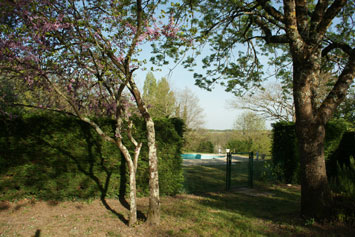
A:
[201,156]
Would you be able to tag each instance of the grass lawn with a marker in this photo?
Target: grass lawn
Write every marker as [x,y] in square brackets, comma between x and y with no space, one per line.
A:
[204,210]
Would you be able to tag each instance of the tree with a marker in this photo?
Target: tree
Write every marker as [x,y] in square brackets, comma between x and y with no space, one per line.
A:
[300,38]
[252,134]
[346,109]
[159,97]
[188,109]
[205,146]
[240,145]
[7,96]
[149,88]
[249,123]
[165,99]
[272,103]
[86,53]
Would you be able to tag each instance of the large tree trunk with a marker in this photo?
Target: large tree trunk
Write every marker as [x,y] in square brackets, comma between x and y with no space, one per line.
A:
[310,130]
[315,192]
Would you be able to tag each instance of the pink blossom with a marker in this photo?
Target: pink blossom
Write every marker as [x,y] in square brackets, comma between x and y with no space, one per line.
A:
[150,31]
[142,37]
[132,28]
[120,58]
[70,87]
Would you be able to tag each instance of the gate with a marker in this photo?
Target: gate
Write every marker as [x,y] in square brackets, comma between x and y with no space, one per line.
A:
[240,173]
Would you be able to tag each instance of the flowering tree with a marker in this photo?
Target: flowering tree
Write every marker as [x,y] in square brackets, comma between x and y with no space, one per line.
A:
[86,52]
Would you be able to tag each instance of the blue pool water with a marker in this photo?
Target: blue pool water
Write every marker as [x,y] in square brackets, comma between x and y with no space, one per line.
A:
[200,156]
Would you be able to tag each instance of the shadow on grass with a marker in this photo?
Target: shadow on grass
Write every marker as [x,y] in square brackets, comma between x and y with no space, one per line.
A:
[38,233]
[212,178]
[44,161]
[239,214]
[103,186]
[267,209]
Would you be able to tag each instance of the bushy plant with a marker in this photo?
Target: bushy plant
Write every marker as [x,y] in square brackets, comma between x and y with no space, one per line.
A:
[205,147]
[285,153]
[51,156]
[334,133]
[244,145]
[344,182]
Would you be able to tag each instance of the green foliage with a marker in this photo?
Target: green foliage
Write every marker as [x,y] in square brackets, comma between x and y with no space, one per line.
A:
[206,147]
[346,109]
[8,96]
[262,143]
[334,133]
[169,143]
[251,135]
[340,163]
[158,96]
[344,182]
[249,123]
[285,153]
[259,142]
[57,157]
[240,145]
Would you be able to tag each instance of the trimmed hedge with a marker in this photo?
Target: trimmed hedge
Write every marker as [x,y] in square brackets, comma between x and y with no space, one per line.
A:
[53,156]
[285,149]
[285,152]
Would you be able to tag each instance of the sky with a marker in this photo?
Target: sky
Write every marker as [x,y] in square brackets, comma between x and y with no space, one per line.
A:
[217,114]
[215,104]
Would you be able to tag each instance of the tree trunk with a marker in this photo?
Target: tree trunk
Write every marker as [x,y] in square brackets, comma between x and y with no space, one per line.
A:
[310,130]
[132,184]
[315,192]
[132,195]
[154,199]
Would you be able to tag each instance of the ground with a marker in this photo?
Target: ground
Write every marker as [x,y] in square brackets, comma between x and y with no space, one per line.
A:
[210,214]
[204,209]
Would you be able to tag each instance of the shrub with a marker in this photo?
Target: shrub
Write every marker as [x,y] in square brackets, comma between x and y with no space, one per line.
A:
[240,145]
[344,181]
[206,147]
[285,151]
[52,156]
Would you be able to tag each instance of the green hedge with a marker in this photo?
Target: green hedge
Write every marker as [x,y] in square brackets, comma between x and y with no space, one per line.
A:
[240,145]
[285,149]
[58,157]
[205,147]
[285,152]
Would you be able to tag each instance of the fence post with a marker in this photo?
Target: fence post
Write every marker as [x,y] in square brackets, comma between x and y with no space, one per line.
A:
[228,170]
[250,170]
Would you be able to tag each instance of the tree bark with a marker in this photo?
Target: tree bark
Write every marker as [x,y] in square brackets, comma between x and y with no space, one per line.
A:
[315,192]
[132,195]
[132,184]
[154,199]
